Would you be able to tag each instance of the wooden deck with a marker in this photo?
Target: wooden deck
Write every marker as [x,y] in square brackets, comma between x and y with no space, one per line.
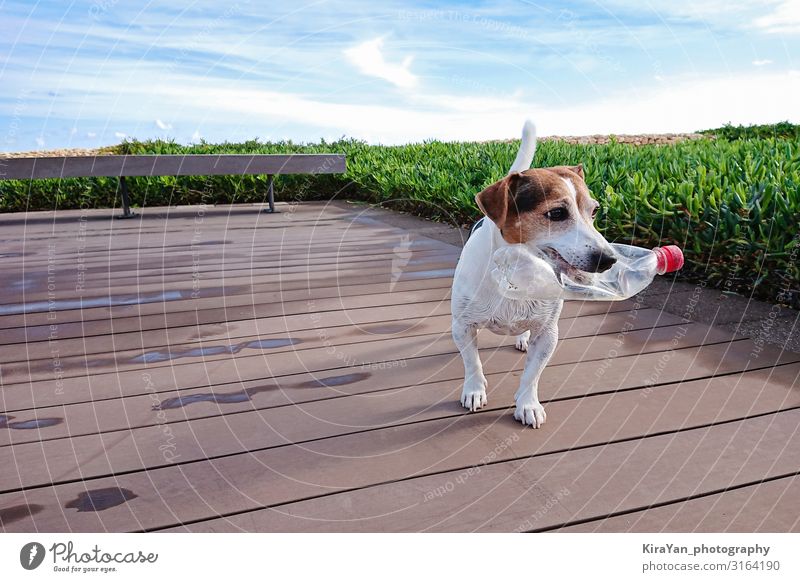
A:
[224,370]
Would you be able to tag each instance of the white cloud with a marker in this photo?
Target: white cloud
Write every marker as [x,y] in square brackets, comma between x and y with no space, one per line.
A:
[196,136]
[91,134]
[368,58]
[40,142]
[679,104]
[120,135]
[683,104]
[161,125]
[707,11]
[784,19]
[762,62]
[467,103]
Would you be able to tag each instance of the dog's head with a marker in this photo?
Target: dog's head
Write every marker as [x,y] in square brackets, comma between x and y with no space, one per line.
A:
[550,210]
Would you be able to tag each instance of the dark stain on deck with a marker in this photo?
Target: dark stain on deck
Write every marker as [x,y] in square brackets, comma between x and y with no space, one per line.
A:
[16,512]
[212,329]
[267,344]
[388,328]
[331,381]
[28,424]
[229,398]
[101,499]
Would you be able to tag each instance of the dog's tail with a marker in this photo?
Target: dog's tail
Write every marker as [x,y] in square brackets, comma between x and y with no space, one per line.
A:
[526,149]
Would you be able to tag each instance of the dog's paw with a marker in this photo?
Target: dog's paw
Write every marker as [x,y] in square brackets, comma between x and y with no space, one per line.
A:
[530,414]
[473,396]
[522,341]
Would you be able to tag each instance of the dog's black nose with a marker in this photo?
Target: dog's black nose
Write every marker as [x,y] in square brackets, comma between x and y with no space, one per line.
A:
[602,262]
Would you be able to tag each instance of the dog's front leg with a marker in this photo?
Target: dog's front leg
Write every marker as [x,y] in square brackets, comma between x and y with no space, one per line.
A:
[473,395]
[529,409]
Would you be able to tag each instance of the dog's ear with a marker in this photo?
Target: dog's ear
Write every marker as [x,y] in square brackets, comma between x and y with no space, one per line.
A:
[493,201]
[577,169]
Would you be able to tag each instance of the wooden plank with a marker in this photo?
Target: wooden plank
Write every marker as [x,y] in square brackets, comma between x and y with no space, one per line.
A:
[213,252]
[372,320]
[171,237]
[427,455]
[177,232]
[559,381]
[291,278]
[397,353]
[231,313]
[182,337]
[223,287]
[422,323]
[149,314]
[704,401]
[102,416]
[544,491]
[144,410]
[170,165]
[769,506]
[178,265]
[178,225]
[258,303]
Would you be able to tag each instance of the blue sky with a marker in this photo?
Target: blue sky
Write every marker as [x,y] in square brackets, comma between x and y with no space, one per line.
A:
[89,73]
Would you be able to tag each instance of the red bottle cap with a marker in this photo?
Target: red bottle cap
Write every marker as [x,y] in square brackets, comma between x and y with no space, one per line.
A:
[668,259]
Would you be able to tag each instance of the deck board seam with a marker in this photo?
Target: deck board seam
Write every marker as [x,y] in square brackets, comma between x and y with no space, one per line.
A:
[683,499]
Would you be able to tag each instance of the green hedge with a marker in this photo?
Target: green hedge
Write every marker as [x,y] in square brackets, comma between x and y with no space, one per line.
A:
[733,205]
[784,129]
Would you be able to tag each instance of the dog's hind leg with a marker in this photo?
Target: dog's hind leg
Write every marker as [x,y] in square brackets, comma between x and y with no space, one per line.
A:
[522,341]
[473,395]
[529,409]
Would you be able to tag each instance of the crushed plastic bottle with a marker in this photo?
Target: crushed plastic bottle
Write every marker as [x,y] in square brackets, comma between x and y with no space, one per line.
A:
[520,274]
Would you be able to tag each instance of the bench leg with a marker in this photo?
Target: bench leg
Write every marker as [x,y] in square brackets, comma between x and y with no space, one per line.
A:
[271,194]
[126,201]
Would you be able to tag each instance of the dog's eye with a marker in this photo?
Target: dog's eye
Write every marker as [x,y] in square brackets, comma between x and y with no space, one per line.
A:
[595,210]
[557,214]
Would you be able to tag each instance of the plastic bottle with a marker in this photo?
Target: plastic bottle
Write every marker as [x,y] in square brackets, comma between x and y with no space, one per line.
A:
[522,275]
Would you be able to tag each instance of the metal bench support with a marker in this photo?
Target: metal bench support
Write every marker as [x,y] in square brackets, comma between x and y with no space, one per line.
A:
[271,194]
[126,200]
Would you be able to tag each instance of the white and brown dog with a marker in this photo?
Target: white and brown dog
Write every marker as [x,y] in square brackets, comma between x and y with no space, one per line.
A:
[551,211]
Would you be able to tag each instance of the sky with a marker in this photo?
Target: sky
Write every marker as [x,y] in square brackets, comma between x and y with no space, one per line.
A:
[92,73]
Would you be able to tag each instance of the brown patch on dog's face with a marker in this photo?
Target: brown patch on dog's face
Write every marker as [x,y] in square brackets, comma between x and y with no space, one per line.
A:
[524,205]
[552,210]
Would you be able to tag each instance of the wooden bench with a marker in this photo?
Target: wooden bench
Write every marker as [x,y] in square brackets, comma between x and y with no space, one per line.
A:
[170,165]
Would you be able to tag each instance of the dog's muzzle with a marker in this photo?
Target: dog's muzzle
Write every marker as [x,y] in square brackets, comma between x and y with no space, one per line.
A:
[601,262]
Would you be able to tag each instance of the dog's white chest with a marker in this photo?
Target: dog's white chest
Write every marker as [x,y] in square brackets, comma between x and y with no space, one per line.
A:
[510,317]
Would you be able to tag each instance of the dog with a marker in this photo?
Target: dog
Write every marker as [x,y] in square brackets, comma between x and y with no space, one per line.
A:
[551,211]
